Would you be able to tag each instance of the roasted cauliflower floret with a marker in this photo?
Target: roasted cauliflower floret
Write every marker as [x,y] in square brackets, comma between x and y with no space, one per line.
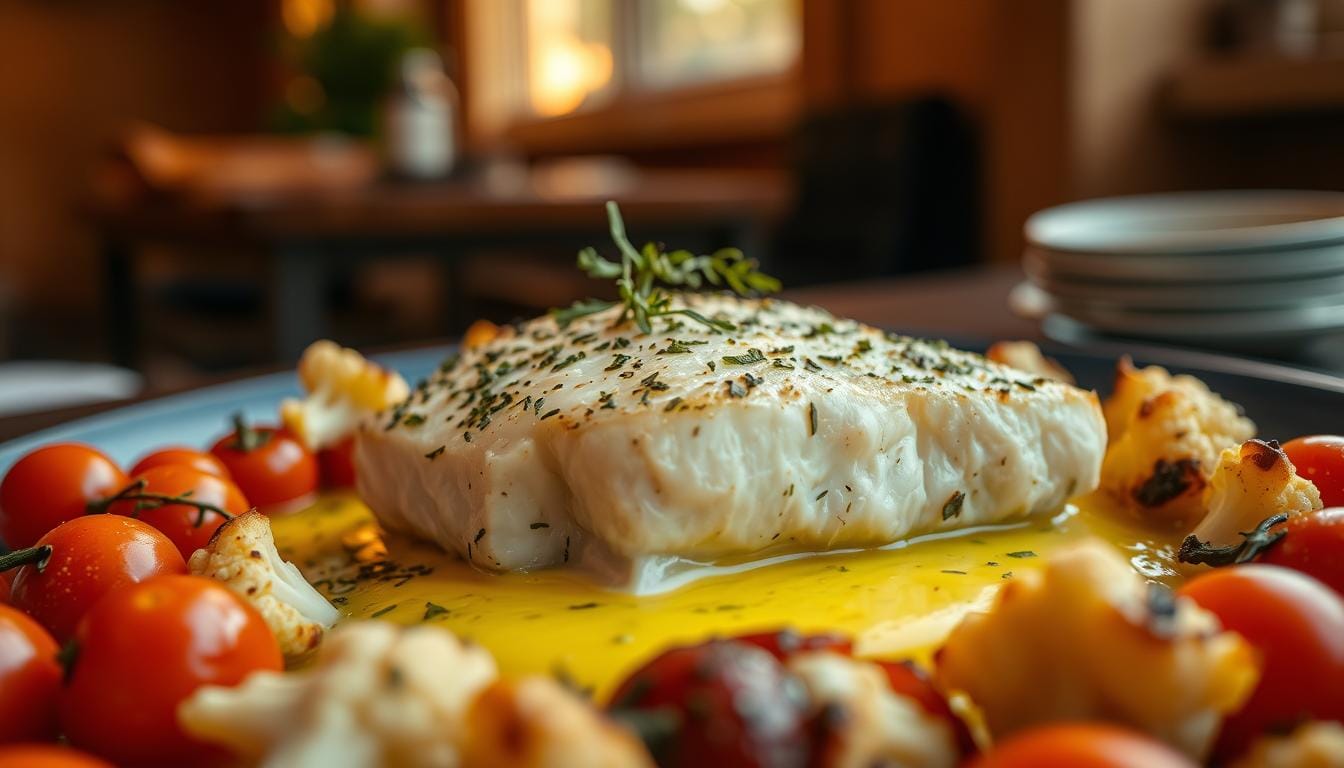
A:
[873,724]
[1165,434]
[480,333]
[1087,639]
[1027,357]
[342,388]
[377,695]
[1250,484]
[1313,745]
[535,723]
[243,556]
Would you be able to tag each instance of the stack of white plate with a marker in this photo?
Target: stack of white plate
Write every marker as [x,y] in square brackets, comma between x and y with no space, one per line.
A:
[1238,270]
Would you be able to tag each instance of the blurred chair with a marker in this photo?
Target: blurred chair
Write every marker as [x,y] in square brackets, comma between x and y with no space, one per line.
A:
[883,189]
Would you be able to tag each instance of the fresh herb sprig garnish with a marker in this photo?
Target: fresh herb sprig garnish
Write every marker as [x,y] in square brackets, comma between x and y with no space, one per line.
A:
[144,500]
[642,274]
[1253,544]
[246,438]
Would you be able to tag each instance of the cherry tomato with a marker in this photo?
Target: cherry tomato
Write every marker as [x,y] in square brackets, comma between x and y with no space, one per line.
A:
[47,756]
[787,642]
[1297,623]
[1081,745]
[1314,545]
[188,526]
[51,485]
[144,649]
[910,681]
[269,464]
[89,557]
[30,679]
[5,579]
[904,677]
[733,704]
[338,464]
[191,457]
[1320,459]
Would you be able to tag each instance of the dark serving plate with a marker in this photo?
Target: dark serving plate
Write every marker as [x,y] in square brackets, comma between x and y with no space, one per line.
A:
[1283,401]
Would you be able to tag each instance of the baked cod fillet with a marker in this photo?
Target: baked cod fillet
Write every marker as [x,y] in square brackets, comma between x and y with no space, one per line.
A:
[596,446]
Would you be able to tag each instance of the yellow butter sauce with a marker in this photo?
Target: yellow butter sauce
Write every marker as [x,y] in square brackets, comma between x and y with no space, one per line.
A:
[896,602]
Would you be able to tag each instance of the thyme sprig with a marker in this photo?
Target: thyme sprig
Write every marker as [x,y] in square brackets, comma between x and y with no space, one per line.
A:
[642,274]
[135,492]
[1253,544]
[246,438]
[30,556]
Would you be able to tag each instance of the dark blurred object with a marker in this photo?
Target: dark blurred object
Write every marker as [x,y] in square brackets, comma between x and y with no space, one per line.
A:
[883,189]
[1284,27]
[308,237]
[345,69]
[1263,88]
[1269,60]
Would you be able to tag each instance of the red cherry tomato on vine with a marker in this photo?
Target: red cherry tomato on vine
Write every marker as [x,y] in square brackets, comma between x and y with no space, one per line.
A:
[190,457]
[702,687]
[47,756]
[1314,545]
[1297,623]
[5,579]
[787,642]
[30,679]
[187,525]
[910,681]
[51,485]
[338,464]
[273,469]
[1320,459]
[89,557]
[1081,745]
[143,650]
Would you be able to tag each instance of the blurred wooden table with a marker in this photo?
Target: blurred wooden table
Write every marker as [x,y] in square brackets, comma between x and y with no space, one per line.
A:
[968,303]
[306,235]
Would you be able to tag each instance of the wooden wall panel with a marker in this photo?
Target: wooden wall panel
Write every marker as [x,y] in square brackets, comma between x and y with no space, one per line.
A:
[71,75]
[1121,54]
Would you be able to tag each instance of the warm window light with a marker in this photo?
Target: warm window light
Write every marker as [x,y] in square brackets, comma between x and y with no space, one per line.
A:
[545,58]
[304,17]
[564,72]
[683,42]
[705,7]
[563,69]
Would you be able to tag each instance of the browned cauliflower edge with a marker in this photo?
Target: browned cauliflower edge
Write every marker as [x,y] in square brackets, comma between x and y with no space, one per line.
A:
[1025,356]
[1062,644]
[536,723]
[383,696]
[242,555]
[1252,483]
[875,725]
[343,387]
[1164,436]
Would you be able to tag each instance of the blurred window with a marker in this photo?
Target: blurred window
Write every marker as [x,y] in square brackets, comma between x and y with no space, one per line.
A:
[569,54]
[577,55]
[682,42]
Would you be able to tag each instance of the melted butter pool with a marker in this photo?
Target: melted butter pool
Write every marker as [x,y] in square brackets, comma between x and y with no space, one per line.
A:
[897,602]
